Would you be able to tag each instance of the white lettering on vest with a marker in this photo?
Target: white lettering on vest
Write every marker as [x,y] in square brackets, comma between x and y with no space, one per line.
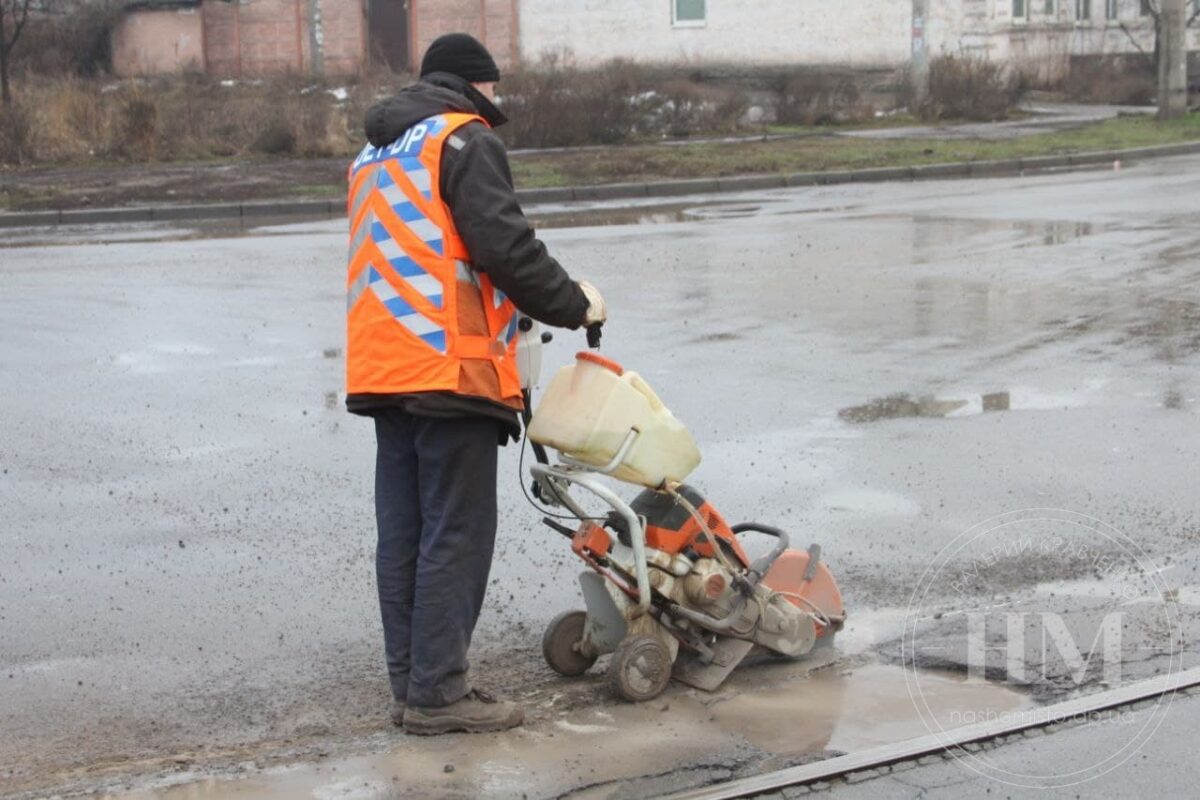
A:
[366,155]
[409,141]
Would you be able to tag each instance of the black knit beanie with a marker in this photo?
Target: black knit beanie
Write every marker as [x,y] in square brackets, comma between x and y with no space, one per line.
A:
[463,55]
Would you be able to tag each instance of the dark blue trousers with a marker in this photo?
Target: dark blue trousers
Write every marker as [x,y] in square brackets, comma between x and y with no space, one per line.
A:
[435,505]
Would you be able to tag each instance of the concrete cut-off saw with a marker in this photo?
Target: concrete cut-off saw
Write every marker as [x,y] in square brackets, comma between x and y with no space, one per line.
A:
[671,590]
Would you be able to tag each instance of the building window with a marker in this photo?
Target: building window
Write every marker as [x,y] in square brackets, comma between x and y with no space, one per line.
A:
[687,12]
[1083,9]
[1112,9]
[1020,9]
[1145,8]
[1049,9]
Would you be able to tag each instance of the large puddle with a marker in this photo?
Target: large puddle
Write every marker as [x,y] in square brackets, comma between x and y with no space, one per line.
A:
[767,714]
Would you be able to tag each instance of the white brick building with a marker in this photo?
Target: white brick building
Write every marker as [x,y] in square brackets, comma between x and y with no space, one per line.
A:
[861,33]
[1044,30]
[852,32]
[244,37]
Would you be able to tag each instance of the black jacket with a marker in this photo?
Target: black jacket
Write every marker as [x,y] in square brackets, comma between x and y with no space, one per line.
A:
[476,185]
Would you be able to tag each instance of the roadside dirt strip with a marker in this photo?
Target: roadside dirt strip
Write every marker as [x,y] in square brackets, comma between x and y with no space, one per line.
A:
[613,191]
[960,741]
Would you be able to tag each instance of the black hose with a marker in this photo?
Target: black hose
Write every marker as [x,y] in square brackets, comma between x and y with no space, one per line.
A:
[539,452]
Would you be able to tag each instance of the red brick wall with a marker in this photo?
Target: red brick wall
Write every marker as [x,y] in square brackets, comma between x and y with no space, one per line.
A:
[344,29]
[263,37]
[493,22]
[155,42]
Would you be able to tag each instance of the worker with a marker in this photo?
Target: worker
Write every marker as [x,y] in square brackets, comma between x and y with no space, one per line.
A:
[441,258]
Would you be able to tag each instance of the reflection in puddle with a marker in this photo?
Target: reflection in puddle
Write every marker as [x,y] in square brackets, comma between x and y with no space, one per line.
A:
[1056,232]
[608,216]
[642,215]
[1172,326]
[773,707]
[930,231]
[934,232]
[897,406]
[723,211]
[1020,398]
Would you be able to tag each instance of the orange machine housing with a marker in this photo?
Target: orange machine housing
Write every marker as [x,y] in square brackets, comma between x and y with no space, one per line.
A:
[671,528]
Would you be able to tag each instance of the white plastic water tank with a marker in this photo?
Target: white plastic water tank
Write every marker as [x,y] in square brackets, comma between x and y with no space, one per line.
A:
[590,407]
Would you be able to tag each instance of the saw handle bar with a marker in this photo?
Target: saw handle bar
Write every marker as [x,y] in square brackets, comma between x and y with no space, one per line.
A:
[760,567]
[613,465]
[637,538]
[551,476]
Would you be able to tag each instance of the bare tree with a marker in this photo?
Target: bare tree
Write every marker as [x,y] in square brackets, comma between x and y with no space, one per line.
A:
[13,16]
[1153,9]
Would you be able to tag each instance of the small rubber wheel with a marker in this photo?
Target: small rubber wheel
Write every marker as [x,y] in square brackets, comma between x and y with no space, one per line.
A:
[560,644]
[640,669]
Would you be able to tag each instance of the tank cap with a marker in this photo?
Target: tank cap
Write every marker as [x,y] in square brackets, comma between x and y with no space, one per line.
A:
[607,363]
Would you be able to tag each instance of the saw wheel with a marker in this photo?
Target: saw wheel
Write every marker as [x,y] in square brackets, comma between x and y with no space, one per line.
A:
[562,644]
[640,669]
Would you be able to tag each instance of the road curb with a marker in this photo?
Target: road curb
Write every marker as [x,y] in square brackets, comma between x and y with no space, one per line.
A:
[101,216]
[612,191]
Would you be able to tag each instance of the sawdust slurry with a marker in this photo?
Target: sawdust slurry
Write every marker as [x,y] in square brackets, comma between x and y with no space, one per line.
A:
[867,707]
[586,753]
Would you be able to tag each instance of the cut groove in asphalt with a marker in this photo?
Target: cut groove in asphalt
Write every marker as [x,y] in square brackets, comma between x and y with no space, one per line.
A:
[934,746]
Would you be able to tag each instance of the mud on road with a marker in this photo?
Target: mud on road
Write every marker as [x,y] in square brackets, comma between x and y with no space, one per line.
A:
[116,185]
[188,529]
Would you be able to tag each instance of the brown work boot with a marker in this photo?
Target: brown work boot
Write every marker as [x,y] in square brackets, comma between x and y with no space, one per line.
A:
[477,712]
[397,712]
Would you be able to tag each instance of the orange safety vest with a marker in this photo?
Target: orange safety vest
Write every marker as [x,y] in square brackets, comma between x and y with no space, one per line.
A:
[419,318]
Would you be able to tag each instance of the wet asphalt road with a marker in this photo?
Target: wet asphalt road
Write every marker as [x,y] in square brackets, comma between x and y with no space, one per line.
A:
[1068,754]
[186,508]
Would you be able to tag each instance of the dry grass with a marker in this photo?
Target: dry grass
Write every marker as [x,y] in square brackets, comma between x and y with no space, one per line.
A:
[551,104]
[968,89]
[73,39]
[185,118]
[812,97]
[558,105]
[73,120]
[688,107]
[1123,80]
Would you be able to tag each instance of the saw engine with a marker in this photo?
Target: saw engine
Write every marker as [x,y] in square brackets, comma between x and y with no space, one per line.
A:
[711,604]
[672,590]
[770,609]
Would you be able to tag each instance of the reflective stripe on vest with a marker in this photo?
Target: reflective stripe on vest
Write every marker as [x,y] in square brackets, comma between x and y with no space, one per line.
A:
[407,266]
